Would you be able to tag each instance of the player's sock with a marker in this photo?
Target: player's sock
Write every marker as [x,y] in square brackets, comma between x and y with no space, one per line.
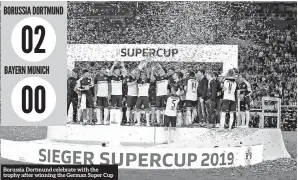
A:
[158,116]
[153,115]
[222,120]
[179,118]
[138,115]
[173,132]
[247,118]
[169,134]
[148,118]
[112,116]
[238,116]
[98,116]
[119,116]
[128,115]
[166,133]
[163,116]
[242,119]
[105,115]
[188,116]
[194,114]
[231,120]
[79,115]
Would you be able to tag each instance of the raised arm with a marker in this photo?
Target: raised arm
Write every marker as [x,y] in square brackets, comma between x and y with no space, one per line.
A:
[110,73]
[152,78]
[123,69]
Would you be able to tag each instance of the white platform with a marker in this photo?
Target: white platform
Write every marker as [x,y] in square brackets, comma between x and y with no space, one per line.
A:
[142,147]
[271,139]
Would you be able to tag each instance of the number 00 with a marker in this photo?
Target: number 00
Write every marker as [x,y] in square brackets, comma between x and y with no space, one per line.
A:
[39,97]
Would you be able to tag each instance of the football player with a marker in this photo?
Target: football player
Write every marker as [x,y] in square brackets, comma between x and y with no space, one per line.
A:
[191,98]
[132,93]
[170,115]
[162,89]
[102,95]
[143,96]
[117,75]
[84,85]
[245,92]
[178,86]
[229,87]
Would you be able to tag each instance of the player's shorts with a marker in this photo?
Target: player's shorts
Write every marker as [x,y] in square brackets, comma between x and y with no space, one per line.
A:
[152,100]
[102,102]
[180,105]
[189,103]
[228,106]
[245,104]
[116,100]
[131,101]
[142,100]
[89,101]
[161,101]
[170,120]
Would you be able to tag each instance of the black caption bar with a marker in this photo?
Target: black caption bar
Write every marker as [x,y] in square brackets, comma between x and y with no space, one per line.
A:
[59,172]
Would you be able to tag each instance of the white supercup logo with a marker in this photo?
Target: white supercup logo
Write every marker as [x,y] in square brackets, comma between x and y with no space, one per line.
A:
[33,99]
[33,39]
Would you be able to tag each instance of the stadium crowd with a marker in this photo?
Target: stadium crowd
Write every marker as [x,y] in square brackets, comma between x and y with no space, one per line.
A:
[265,33]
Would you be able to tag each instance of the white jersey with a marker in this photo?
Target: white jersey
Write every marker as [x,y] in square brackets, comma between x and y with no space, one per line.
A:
[143,86]
[171,106]
[162,87]
[116,83]
[191,90]
[132,88]
[102,89]
[230,90]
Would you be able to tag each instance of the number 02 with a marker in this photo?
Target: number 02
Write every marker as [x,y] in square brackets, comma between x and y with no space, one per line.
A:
[39,107]
[27,39]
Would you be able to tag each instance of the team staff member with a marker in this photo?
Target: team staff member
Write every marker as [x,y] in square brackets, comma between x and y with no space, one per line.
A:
[202,96]
[72,96]
[214,94]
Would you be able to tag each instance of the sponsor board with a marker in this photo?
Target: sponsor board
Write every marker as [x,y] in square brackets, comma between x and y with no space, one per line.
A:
[47,152]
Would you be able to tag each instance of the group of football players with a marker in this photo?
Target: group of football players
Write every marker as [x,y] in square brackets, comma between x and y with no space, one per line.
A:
[183,99]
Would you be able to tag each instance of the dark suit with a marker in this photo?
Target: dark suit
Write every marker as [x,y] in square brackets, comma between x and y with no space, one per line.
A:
[202,95]
[72,97]
[213,96]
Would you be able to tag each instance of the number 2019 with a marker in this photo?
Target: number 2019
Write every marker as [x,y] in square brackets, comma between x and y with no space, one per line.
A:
[214,159]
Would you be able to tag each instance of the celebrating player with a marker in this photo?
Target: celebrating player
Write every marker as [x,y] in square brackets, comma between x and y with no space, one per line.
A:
[132,93]
[117,79]
[102,95]
[245,91]
[191,98]
[229,99]
[86,101]
[162,89]
[143,96]
[178,86]
[170,116]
